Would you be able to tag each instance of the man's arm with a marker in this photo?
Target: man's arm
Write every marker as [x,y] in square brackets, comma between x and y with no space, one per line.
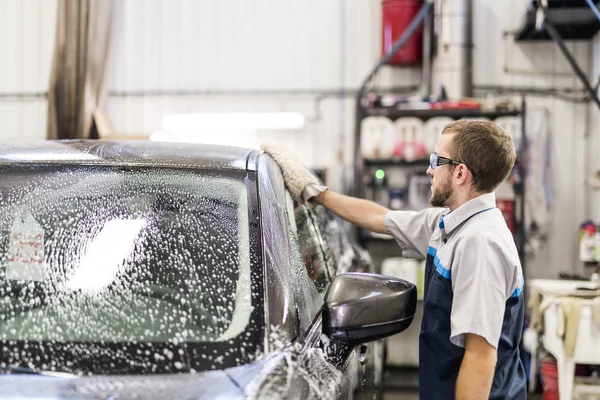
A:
[364,213]
[476,370]
[304,186]
[482,281]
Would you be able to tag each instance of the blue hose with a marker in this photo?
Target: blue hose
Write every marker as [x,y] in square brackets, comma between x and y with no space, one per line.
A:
[594,8]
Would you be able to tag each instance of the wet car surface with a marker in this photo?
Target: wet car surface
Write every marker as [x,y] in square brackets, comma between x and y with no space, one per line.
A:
[147,270]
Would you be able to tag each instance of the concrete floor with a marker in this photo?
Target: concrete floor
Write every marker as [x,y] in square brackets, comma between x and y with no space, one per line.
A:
[402,384]
[395,395]
[401,396]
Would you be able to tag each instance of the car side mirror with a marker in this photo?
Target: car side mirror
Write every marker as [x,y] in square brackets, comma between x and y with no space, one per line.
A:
[362,307]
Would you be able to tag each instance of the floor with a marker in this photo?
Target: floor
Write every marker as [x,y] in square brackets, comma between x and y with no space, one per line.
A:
[401,396]
[415,396]
[402,384]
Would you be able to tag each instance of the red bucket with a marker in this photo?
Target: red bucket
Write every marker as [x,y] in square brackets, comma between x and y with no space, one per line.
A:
[396,17]
[549,372]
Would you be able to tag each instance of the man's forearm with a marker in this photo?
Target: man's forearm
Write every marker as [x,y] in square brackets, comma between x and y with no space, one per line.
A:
[364,213]
[475,377]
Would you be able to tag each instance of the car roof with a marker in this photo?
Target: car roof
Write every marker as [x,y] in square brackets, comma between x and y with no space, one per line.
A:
[128,153]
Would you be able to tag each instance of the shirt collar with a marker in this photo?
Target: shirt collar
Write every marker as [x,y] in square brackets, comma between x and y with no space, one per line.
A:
[474,206]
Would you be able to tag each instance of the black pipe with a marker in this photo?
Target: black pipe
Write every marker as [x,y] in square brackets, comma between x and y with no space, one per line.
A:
[523,185]
[527,89]
[523,90]
[319,92]
[551,30]
[22,95]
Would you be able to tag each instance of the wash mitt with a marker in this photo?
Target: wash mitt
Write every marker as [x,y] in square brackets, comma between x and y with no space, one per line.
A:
[302,184]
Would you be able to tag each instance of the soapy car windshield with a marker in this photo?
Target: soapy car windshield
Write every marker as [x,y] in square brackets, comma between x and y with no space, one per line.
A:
[109,255]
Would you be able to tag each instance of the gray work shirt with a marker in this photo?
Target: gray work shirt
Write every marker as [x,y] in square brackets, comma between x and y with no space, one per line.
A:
[475,249]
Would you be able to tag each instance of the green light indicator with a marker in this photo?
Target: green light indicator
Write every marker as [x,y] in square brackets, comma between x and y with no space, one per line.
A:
[380,174]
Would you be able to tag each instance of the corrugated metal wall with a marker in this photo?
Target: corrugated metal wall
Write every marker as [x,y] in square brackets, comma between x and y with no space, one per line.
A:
[301,48]
[164,47]
[26,46]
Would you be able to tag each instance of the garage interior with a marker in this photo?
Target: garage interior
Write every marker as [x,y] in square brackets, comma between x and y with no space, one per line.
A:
[360,90]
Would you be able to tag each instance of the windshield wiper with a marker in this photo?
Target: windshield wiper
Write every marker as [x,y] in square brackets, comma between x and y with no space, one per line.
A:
[15,369]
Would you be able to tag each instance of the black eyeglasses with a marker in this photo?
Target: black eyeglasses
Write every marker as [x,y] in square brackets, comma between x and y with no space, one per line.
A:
[436,160]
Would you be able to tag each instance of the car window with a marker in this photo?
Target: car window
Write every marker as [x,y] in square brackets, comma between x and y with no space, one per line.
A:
[127,241]
[336,246]
[311,248]
[332,240]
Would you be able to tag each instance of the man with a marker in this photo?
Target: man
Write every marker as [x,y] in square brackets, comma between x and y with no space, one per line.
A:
[473,306]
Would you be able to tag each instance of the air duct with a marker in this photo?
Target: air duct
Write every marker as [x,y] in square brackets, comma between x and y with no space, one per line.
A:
[454,31]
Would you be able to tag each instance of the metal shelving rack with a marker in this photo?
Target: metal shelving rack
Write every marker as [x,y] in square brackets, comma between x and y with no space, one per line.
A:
[361,164]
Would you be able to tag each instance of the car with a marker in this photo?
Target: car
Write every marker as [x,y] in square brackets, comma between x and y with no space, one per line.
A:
[139,269]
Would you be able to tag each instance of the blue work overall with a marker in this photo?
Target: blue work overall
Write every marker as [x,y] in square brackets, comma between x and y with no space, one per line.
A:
[440,360]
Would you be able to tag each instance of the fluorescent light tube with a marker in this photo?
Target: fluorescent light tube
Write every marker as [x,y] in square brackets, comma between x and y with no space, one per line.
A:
[225,121]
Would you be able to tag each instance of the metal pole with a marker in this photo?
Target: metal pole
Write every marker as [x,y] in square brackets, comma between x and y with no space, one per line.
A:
[523,162]
[426,69]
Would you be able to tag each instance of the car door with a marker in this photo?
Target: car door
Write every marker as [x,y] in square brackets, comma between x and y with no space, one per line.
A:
[342,256]
[306,364]
[323,256]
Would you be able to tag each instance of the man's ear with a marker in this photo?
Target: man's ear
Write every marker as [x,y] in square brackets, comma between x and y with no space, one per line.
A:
[461,174]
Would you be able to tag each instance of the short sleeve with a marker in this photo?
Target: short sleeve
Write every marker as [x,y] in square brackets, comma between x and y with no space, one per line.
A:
[482,276]
[412,230]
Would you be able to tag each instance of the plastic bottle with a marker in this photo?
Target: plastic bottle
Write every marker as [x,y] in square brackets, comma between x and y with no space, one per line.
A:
[597,244]
[409,146]
[587,244]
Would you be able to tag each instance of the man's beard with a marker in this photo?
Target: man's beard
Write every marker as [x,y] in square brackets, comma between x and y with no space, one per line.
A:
[441,193]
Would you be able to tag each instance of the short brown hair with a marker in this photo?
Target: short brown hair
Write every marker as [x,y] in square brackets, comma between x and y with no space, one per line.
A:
[485,148]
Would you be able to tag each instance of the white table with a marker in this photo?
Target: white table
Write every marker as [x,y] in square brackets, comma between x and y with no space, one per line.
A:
[587,348]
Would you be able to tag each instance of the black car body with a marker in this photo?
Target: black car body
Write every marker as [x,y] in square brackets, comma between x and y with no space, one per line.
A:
[147,270]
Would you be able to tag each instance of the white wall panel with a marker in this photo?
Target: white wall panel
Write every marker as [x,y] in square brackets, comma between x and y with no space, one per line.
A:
[185,44]
[26,47]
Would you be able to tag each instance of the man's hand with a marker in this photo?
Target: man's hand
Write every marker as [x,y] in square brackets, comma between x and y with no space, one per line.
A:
[477,369]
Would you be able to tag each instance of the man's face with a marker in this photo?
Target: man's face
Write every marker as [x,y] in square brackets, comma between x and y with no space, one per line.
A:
[441,176]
